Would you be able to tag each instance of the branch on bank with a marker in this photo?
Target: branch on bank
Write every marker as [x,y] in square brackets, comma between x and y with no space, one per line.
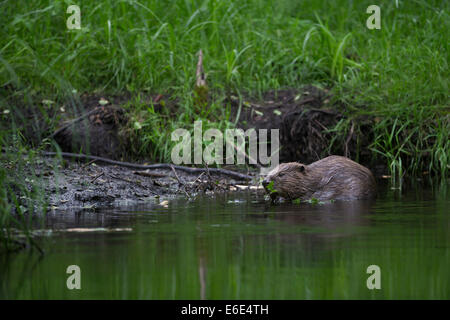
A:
[68,155]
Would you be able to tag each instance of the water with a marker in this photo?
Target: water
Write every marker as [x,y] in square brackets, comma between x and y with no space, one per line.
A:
[237,246]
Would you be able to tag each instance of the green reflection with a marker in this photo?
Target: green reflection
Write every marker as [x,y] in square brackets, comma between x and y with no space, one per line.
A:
[237,246]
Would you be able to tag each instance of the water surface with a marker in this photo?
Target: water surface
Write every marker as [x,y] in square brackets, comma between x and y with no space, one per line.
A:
[238,246]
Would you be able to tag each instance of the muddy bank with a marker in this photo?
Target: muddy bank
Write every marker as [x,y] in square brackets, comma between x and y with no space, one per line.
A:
[91,185]
[306,118]
[99,125]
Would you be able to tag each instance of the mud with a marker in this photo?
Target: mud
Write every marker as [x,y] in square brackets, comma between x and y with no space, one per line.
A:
[306,119]
[90,186]
[100,127]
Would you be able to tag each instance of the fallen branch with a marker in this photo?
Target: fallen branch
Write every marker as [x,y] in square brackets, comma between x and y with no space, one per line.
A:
[180,182]
[69,155]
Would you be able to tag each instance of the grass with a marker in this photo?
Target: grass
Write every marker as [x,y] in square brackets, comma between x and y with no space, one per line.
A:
[151,46]
[21,194]
[398,75]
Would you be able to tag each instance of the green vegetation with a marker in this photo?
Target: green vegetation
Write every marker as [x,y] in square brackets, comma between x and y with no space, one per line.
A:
[21,192]
[270,187]
[397,75]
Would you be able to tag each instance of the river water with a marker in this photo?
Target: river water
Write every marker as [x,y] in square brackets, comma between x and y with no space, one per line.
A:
[238,246]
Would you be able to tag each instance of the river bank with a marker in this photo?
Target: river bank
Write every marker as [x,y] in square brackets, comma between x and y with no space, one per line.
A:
[92,185]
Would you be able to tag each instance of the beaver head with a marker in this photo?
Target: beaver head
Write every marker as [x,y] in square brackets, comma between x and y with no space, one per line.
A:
[288,180]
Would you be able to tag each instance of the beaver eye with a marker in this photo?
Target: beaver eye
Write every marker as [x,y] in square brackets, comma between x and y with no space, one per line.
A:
[281,174]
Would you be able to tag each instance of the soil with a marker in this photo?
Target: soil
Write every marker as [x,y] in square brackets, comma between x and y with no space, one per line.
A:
[89,186]
[305,119]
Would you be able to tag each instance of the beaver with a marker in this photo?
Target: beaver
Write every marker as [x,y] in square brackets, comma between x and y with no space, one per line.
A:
[331,178]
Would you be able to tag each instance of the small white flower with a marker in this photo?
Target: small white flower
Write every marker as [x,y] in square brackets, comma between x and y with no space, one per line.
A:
[137,125]
[48,102]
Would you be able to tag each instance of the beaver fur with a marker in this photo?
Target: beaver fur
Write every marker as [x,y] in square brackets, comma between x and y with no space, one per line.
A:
[332,178]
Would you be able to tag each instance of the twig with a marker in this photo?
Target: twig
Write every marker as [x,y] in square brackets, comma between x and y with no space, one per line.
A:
[176,176]
[195,181]
[211,183]
[207,172]
[320,124]
[97,176]
[87,164]
[123,179]
[180,182]
[350,135]
[201,174]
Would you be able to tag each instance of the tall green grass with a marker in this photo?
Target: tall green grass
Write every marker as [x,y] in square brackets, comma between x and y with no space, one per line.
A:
[23,204]
[399,73]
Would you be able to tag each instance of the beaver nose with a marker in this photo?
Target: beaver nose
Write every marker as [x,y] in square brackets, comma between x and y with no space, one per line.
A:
[265,183]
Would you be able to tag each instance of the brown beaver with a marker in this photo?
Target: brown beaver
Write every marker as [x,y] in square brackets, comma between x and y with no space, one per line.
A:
[332,178]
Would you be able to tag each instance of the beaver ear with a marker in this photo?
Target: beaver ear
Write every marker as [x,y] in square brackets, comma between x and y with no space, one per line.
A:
[301,168]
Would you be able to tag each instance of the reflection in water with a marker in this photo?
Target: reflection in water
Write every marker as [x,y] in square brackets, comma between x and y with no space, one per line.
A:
[201,275]
[238,246]
[329,221]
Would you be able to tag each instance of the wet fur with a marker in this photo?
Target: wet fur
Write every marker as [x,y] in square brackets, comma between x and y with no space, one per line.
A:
[334,177]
